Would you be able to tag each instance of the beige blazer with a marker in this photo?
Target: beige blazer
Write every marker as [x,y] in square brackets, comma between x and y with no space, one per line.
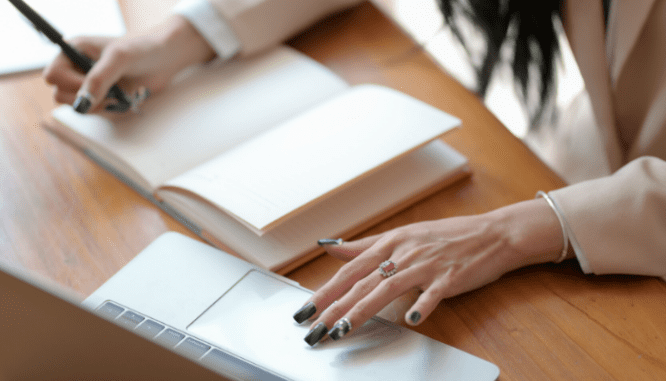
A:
[616,224]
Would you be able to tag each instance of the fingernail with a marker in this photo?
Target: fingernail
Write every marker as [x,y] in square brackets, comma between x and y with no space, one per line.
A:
[316,334]
[117,107]
[82,104]
[305,313]
[414,317]
[329,241]
[340,329]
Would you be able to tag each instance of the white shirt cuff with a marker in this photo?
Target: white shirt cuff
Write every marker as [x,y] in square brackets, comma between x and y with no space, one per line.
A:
[212,26]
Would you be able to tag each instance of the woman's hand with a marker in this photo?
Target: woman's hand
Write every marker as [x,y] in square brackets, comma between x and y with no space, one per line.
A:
[150,61]
[441,258]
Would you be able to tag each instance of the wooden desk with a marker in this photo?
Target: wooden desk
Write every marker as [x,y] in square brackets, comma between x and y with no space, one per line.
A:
[67,219]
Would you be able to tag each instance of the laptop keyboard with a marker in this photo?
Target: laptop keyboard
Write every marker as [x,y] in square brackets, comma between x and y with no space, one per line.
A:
[186,345]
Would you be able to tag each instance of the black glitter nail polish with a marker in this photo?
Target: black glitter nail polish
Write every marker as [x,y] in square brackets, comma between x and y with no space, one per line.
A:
[316,334]
[329,241]
[414,317]
[82,105]
[305,313]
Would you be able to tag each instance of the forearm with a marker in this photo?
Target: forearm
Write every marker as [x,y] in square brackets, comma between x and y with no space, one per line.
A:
[262,24]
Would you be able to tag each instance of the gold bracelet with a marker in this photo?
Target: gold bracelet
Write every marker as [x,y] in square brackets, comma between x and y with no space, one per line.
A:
[551,203]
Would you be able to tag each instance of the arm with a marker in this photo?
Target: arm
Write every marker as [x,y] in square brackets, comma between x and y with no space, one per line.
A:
[259,24]
[615,224]
[197,32]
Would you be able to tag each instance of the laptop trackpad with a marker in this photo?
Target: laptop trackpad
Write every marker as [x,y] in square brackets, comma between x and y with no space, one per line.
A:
[254,321]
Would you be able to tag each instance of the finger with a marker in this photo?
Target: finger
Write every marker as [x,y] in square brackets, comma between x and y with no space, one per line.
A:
[91,47]
[67,76]
[65,80]
[321,326]
[425,304]
[103,75]
[347,251]
[62,74]
[345,278]
[364,305]
[64,97]
[62,67]
[342,281]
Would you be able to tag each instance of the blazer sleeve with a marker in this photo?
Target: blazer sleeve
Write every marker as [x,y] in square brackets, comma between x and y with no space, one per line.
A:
[617,224]
[259,24]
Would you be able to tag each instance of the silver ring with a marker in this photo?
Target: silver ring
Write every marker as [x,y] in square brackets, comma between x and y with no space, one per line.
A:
[138,98]
[346,324]
[388,268]
[341,328]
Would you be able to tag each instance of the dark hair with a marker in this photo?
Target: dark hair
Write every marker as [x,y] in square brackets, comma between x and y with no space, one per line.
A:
[529,25]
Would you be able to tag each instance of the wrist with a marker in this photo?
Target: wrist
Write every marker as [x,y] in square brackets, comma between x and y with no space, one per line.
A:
[183,44]
[533,232]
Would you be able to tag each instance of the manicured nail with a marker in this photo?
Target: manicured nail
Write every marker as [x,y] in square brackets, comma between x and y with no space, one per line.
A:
[316,334]
[118,107]
[82,104]
[414,317]
[329,241]
[340,329]
[305,313]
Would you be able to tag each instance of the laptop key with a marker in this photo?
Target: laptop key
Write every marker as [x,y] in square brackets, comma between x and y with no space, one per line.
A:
[169,338]
[149,328]
[129,319]
[109,310]
[192,348]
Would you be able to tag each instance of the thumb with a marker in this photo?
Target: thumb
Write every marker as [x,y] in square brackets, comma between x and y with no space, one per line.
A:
[347,251]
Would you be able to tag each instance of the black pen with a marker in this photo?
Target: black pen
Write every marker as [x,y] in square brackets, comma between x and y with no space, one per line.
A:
[79,59]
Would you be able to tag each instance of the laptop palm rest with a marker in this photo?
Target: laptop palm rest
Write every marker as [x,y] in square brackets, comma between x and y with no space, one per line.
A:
[245,311]
[254,320]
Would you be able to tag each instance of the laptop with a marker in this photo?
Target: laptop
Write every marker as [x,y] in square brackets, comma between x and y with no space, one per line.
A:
[182,309]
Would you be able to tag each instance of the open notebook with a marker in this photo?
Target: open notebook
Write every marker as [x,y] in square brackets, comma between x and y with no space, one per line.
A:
[268,154]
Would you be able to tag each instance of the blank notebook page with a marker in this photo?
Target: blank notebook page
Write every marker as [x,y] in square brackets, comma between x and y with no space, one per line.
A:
[298,162]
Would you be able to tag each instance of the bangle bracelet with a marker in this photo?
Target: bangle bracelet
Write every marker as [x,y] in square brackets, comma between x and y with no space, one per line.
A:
[551,203]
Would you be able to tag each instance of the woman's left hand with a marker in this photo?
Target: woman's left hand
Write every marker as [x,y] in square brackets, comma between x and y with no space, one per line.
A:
[441,258]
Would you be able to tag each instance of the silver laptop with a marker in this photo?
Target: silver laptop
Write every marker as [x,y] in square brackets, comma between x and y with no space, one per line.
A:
[184,310]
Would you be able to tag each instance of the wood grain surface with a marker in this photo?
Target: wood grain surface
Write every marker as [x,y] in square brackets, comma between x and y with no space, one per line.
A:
[65,218]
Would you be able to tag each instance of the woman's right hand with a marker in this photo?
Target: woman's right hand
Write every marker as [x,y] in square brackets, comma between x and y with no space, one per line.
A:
[150,60]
